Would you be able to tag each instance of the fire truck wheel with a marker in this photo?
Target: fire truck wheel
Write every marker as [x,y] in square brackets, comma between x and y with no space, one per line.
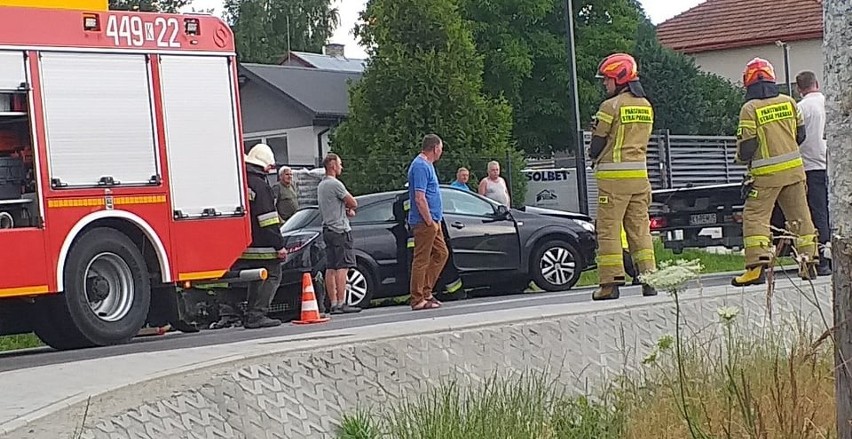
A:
[107,293]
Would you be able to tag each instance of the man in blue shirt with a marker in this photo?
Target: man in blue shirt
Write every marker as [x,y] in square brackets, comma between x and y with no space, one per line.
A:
[462,177]
[424,218]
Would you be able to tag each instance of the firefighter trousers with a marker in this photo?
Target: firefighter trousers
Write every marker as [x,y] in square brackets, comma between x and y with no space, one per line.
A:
[259,295]
[793,200]
[631,210]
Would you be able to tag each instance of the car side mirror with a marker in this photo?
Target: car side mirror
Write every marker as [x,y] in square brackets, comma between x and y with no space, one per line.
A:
[502,212]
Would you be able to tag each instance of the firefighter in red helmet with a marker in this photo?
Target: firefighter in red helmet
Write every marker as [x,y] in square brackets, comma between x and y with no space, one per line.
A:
[768,138]
[620,136]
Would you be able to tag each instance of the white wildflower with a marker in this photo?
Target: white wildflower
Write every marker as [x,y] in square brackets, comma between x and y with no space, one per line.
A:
[728,313]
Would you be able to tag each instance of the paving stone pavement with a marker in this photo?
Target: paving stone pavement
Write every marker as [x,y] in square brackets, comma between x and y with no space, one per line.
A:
[292,391]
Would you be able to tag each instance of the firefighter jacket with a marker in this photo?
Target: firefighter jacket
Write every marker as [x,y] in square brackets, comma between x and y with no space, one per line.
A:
[626,122]
[266,239]
[767,141]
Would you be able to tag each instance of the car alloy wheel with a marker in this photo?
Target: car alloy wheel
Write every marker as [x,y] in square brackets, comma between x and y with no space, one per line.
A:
[357,287]
[557,266]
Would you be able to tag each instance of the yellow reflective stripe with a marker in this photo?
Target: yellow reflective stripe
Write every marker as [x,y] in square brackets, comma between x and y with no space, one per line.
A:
[410,243]
[455,286]
[806,241]
[644,255]
[623,166]
[268,219]
[604,117]
[761,140]
[201,275]
[637,114]
[774,169]
[619,142]
[406,205]
[624,243]
[259,253]
[756,241]
[610,260]
[621,175]
[24,291]
[775,160]
[748,124]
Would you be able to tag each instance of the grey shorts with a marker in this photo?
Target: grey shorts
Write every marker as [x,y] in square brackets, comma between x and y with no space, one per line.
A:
[339,251]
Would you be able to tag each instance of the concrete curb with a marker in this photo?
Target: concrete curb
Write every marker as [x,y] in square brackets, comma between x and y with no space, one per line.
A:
[188,370]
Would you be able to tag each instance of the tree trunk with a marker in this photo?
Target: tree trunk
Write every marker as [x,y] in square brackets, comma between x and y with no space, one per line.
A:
[838,91]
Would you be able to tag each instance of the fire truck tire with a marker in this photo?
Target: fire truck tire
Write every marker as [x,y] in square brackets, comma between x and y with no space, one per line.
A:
[107,294]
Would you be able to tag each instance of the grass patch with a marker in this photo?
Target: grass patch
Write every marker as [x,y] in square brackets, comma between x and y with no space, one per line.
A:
[529,406]
[21,341]
[712,262]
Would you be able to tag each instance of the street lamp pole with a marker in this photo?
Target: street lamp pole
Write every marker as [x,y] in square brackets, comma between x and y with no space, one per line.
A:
[575,127]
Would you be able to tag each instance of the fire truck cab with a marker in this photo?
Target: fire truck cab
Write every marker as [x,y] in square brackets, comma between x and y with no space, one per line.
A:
[121,167]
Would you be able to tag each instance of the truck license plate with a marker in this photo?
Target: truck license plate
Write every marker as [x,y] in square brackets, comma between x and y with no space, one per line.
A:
[702,219]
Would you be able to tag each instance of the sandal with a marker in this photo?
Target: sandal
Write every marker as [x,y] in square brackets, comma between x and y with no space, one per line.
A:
[425,304]
[434,300]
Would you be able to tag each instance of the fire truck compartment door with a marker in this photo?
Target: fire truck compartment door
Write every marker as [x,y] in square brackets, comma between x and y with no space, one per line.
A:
[201,135]
[12,74]
[99,118]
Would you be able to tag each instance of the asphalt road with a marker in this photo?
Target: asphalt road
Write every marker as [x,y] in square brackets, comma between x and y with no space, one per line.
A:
[47,356]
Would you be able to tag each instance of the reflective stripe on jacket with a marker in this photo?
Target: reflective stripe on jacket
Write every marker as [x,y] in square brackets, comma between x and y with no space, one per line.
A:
[626,122]
[773,122]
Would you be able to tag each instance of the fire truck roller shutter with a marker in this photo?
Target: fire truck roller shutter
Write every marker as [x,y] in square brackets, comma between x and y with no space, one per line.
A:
[110,97]
[107,294]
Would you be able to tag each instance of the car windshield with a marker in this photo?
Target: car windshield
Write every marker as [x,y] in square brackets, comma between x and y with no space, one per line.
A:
[301,219]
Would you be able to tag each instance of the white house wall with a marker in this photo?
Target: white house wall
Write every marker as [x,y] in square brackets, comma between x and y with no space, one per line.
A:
[804,55]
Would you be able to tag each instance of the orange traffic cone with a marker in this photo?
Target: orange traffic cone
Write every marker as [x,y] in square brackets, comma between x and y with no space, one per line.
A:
[310,308]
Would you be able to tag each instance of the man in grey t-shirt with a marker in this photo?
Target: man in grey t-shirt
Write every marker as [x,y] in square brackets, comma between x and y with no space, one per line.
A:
[336,205]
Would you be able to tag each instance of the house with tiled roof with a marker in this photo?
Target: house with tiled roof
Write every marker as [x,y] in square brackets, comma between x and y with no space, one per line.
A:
[723,35]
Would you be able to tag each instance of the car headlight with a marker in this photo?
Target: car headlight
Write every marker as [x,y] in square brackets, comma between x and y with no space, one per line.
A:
[587,226]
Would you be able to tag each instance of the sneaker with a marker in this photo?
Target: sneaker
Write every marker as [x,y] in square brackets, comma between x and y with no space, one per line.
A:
[648,291]
[336,309]
[348,309]
[261,322]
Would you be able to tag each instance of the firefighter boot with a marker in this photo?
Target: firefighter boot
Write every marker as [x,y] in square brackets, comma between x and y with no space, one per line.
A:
[648,291]
[606,292]
[752,276]
[258,320]
[807,270]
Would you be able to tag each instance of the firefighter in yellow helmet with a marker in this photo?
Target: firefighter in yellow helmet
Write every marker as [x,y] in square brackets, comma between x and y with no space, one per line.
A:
[768,138]
[620,136]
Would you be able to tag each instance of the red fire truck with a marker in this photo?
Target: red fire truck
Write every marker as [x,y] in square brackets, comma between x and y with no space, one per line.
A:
[121,167]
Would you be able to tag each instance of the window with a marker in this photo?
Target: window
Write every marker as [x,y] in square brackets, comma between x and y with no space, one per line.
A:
[380,212]
[278,144]
[308,217]
[463,203]
[279,148]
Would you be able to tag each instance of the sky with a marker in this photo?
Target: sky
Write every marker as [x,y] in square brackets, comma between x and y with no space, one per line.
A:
[658,10]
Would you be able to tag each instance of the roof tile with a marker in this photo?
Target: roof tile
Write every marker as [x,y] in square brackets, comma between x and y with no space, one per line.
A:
[728,24]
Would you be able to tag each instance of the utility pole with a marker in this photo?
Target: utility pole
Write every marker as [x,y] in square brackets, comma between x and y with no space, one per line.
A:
[575,126]
[838,91]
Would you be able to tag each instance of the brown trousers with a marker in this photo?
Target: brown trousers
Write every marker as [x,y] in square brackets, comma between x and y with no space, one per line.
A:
[630,211]
[793,200]
[430,256]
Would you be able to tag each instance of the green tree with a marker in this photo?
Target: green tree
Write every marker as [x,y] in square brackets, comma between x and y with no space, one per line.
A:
[524,45]
[686,100]
[266,29]
[169,6]
[423,76]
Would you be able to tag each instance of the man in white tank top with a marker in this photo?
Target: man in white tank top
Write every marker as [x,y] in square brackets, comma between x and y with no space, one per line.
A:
[493,186]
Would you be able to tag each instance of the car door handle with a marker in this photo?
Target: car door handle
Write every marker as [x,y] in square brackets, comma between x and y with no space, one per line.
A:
[458,225]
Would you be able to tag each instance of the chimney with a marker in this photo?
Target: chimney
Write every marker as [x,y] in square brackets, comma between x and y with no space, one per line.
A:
[336,50]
